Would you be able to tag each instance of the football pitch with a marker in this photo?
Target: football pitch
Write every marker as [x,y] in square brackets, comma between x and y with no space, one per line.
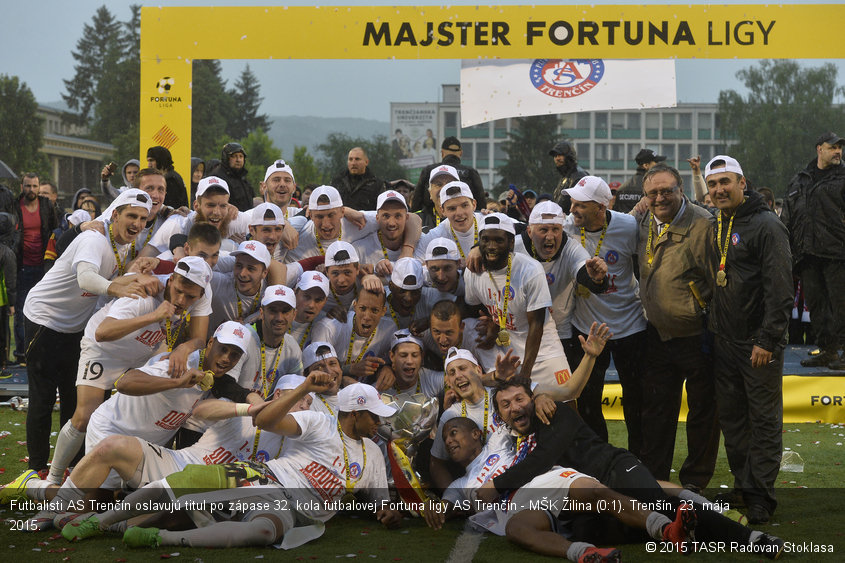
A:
[810,517]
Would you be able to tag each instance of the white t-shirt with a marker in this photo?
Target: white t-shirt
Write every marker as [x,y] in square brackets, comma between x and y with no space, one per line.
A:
[326,404]
[369,250]
[429,383]
[307,246]
[301,333]
[431,296]
[561,274]
[339,334]
[232,439]
[529,291]
[179,224]
[154,418]
[289,361]
[475,412]
[57,301]
[224,302]
[620,305]
[496,456]
[137,347]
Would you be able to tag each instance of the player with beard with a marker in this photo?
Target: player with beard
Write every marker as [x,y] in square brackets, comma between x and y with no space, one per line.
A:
[384,247]
[613,237]
[363,339]
[59,306]
[311,291]
[237,295]
[520,317]
[321,356]
[211,206]
[272,351]
[569,442]
[321,461]
[278,187]
[126,333]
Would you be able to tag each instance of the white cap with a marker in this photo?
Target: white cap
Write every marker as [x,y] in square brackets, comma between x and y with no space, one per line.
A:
[289,381]
[390,195]
[78,217]
[234,333]
[311,279]
[211,182]
[195,269]
[443,169]
[402,336]
[329,192]
[339,253]
[441,248]
[266,214]
[310,356]
[279,166]
[407,273]
[133,197]
[281,293]
[362,397]
[591,188]
[730,165]
[453,190]
[458,354]
[497,221]
[256,249]
[546,213]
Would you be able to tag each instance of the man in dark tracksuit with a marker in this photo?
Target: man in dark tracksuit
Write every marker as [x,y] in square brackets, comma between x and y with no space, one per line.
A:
[812,211]
[749,315]
[568,442]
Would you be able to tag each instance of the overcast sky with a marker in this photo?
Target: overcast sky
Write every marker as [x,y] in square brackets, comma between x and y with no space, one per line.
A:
[38,37]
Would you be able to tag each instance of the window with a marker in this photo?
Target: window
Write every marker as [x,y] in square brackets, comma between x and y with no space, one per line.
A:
[499,151]
[669,152]
[602,151]
[685,121]
[468,150]
[582,120]
[601,120]
[617,152]
[450,119]
[684,152]
[617,121]
[583,152]
[633,121]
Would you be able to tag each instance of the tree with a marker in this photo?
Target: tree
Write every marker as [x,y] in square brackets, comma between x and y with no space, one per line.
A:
[528,165]
[247,101]
[97,51]
[21,133]
[383,162]
[262,153]
[778,122]
[212,108]
[304,167]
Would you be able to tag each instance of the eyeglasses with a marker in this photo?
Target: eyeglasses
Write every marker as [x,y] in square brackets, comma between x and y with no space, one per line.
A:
[663,193]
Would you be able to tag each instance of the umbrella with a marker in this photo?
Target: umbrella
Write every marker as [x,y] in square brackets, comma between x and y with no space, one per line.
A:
[6,172]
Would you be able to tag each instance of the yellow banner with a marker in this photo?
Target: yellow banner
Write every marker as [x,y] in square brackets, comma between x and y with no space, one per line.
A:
[510,32]
[805,399]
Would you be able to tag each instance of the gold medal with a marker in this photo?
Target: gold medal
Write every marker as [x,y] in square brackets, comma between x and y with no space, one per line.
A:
[504,339]
[721,278]
[582,291]
[348,500]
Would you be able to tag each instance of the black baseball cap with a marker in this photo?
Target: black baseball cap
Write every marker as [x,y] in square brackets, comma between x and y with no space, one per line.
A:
[647,155]
[830,138]
[451,144]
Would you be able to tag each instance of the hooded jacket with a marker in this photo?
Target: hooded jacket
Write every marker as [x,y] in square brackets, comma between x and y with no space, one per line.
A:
[109,190]
[177,194]
[756,303]
[570,173]
[814,213]
[240,192]
[358,192]
[194,163]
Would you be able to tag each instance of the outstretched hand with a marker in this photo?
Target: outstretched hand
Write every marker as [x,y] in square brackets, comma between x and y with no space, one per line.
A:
[594,344]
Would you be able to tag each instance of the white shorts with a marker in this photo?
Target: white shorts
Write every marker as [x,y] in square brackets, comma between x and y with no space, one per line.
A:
[547,492]
[97,370]
[550,375]
[158,463]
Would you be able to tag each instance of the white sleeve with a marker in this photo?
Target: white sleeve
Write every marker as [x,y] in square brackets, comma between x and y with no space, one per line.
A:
[225,264]
[294,271]
[536,289]
[324,330]
[89,279]
[470,295]
[298,222]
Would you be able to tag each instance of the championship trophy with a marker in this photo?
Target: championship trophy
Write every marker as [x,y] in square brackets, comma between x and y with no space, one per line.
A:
[414,419]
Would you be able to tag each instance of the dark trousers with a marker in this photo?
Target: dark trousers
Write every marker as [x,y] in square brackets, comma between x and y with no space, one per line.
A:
[823,282]
[627,355]
[750,405]
[629,477]
[28,276]
[51,364]
[668,364]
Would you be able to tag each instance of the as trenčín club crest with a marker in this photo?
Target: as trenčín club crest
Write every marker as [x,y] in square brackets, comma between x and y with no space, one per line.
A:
[561,78]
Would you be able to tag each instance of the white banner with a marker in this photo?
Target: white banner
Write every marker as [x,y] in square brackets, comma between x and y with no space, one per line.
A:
[496,89]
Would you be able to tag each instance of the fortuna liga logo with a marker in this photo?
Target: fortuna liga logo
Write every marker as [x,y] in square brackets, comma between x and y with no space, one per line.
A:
[559,78]
[164,85]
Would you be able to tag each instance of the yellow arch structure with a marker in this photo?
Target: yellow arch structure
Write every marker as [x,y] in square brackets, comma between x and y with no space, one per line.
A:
[172,37]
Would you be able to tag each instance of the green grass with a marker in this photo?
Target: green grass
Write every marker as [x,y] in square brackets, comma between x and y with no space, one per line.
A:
[812,514]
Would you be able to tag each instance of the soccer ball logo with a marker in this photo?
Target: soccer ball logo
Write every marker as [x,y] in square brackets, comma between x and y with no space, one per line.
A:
[165,84]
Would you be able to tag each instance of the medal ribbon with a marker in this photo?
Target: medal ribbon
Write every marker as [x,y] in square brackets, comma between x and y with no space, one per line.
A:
[172,337]
[648,246]
[352,341]
[601,239]
[252,307]
[486,411]
[457,242]
[317,238]
[503,315]
[350,486]
[264,372]
[121,264]
[723,248]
